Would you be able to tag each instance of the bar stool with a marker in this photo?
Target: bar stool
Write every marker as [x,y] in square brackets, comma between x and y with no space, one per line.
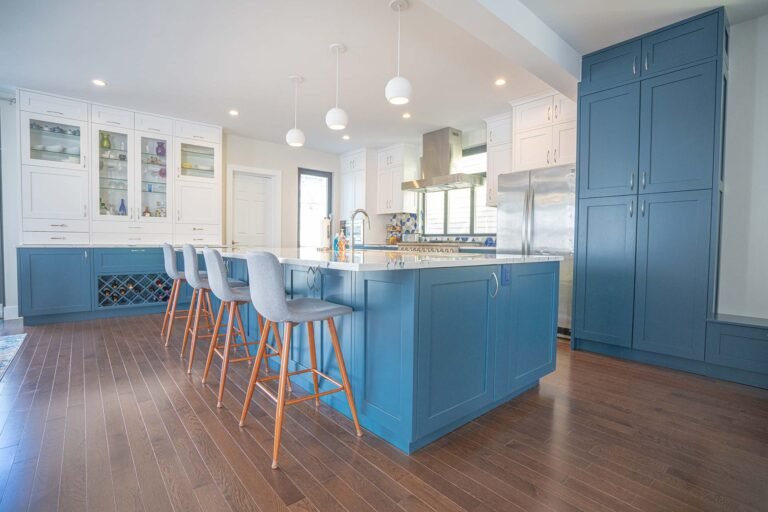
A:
[268,297]
[200,302]
[230,297]
[169,259]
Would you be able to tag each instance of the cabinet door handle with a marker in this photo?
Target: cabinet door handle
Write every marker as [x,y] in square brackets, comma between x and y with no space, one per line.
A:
[85,255]
[490,135]
[178,215]
[555,111]
[632,180]
[631,207]
[634,65]
[496,282]
[646,61]
[547,156]
[642,208]
[85,211]
[642,180]
[555,155]
[85,162]
[549,113]
[55,112]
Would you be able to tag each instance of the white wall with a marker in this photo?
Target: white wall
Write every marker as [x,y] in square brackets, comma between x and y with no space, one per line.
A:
[744,256]
[11,183]
[280,157]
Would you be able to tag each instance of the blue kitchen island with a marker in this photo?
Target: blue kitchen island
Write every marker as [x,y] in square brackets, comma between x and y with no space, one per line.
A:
[435,340]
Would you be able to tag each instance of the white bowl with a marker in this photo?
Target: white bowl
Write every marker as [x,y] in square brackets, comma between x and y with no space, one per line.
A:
[56,148]
[75,150]
[38,147]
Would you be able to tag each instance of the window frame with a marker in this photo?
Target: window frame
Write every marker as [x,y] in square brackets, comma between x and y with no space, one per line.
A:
[329,206]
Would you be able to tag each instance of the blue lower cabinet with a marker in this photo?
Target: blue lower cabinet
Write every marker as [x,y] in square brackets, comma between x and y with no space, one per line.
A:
[672,265]
[525,346]
[454,347]
[742,345]
[54,281]
[605,270]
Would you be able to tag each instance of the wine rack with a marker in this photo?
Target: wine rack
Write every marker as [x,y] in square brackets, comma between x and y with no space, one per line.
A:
[133,289]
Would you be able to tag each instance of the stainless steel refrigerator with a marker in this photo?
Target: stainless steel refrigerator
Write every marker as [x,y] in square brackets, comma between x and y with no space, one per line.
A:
[536,212]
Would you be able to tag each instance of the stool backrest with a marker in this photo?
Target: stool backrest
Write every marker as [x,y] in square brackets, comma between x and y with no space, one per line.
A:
[217,275]
[192,267]
[265,278]
[169,258]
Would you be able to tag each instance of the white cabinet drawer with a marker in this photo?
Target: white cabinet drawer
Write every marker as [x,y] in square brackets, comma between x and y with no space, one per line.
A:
[48,238]
[130,239]
[155,124]
[499,130]
[196,131]
[53,106]
[131,228]
[57,225]
[198,239]
[111,116]
[197,229]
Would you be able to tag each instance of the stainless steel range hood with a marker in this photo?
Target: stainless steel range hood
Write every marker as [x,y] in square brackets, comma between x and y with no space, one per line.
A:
[441,154]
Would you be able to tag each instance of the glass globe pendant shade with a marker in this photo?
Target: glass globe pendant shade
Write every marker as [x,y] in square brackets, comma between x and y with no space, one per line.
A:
[336,119]
[295,137]
[398,91]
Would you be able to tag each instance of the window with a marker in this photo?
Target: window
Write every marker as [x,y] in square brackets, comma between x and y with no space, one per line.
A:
[461,211]
[314,205]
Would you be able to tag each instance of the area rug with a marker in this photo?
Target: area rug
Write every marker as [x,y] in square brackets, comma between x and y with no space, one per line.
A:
[9,345]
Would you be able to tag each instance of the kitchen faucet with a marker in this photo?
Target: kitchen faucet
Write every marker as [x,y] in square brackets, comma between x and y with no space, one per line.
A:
[352,234]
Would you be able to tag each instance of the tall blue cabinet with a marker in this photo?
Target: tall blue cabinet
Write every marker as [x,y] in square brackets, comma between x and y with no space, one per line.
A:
[649,197]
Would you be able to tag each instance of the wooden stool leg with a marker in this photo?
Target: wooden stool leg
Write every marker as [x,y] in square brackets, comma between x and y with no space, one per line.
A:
[227,343]
[281,393]
[214,340]
[343,372]
[276,333]
[255,372]
[196,328]
[172,317]
[208,310]
[241,329]
[192,312]
[313,358]
[168,307]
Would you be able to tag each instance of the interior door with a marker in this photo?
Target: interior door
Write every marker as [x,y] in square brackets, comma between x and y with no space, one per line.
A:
[609,126]
[605,270]
[677,130]
[672,258]
[252,210]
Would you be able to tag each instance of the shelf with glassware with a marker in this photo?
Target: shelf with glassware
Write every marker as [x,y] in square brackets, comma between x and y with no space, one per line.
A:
[51,141]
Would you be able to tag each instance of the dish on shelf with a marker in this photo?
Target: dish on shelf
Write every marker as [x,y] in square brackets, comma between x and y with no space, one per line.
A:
[205,167]
[56,148]
[186,165]
[38,147]
[74,150]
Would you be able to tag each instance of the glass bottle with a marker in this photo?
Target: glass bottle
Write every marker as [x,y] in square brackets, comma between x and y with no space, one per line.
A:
[105,142]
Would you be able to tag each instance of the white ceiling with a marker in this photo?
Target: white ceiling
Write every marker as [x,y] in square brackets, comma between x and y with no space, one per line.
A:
[589,25]
[197,59]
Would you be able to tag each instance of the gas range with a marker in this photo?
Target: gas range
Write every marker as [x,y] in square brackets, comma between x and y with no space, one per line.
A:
[441,247]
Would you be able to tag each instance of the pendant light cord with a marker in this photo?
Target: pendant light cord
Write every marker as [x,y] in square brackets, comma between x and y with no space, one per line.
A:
[337,77]
[296,105]
[398,40]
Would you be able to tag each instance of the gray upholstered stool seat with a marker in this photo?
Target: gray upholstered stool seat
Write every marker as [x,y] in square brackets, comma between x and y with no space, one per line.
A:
[312,310]
[265,276]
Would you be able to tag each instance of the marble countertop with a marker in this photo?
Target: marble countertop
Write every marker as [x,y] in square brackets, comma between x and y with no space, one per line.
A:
[372,260]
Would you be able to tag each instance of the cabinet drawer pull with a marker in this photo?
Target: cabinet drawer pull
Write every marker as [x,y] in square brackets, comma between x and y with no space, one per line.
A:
[138,250]
[113,122]
[198,229]
[57,238]
[152,130]
[135,239]
[198,137]
[58,225]
[55,112]
[198,239]
[134,227]
[496,282]
[631,207]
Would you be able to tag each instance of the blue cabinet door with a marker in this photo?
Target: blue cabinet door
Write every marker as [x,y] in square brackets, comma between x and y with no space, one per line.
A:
[605,270]
[527,327]
[672,268]
[55,281]
[609,128]
[610,67]
[677,130]
[681,44]
[456,329]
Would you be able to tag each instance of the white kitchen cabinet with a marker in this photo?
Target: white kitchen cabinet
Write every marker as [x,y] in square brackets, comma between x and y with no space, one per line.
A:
[352,186]
[197,203]
[353,161]
[54,141]
[564,143]
[392,156]
[111,116]
[396,164]
[113,178]
[533,114]
[154,124]
[54,199]
[563,109]
[499,161]
[56,106]
[198,160]
[197,132]
[532,149]
[499,130]
[384,181]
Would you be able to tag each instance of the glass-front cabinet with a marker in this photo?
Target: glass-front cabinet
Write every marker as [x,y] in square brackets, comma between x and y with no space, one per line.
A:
[52,141]
[113,173]
[154,160]
[198,160]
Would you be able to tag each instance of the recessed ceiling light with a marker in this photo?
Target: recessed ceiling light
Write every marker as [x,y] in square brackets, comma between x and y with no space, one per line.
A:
[99,82]
[406,115]
[234,113]
[500,81]
[345,137]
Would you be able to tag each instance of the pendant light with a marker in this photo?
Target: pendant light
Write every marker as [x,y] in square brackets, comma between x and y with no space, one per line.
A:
[295,137]
[336,118]
[398,90]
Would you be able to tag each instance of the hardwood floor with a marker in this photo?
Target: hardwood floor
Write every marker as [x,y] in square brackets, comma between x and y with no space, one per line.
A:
[100,416]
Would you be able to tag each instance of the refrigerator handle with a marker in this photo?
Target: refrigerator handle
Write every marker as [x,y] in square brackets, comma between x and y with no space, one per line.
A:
[529,220]
[524,225]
